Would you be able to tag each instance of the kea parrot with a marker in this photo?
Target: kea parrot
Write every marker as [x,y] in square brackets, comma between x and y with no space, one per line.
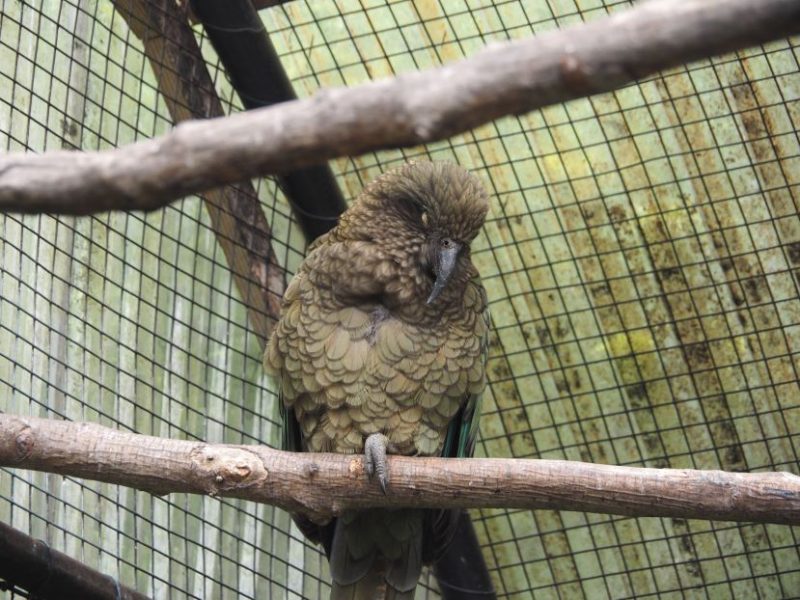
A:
[381,346]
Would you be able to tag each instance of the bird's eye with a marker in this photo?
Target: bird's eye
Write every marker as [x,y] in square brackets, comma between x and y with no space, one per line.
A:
[446,242]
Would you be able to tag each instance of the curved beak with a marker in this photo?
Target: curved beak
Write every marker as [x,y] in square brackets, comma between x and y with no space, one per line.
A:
[444,265]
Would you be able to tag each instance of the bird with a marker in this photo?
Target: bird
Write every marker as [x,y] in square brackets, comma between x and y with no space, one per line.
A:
[381,346]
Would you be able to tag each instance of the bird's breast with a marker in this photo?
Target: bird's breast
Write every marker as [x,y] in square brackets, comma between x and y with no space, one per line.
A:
[362,370]
[377,316]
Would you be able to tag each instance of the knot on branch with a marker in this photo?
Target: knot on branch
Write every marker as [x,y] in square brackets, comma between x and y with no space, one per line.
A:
[225,468]
[574,74]
[24,442]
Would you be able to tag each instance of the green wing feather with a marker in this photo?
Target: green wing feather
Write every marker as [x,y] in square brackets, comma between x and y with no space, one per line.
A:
[462,433]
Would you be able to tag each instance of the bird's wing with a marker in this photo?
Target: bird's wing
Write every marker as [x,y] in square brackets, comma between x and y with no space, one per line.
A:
[462,433]
[460,439]
[291,435]
[292,440]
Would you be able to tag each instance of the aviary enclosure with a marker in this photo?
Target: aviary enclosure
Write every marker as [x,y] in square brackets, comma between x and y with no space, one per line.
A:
[641,260]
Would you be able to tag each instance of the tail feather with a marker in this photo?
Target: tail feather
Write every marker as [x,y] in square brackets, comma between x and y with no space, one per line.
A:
[372,586]
[376,555]
[352,556]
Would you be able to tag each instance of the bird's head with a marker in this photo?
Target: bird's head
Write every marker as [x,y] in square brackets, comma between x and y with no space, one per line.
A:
[423,216]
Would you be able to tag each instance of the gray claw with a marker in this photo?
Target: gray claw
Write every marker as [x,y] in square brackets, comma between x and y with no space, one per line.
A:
[375,458]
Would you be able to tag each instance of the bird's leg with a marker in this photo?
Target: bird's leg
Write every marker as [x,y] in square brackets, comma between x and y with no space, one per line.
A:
[375,453]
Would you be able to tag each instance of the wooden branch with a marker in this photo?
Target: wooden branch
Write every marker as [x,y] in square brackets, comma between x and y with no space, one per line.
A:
[235,212]
[507,78]
[32,565]
[323,485]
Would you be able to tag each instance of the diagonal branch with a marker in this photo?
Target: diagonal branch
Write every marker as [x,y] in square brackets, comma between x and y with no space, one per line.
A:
[504,79]
[235,212]
[322,485]
[31,564]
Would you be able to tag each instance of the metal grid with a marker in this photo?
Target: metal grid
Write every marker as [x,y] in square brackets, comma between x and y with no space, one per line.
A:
[640,260]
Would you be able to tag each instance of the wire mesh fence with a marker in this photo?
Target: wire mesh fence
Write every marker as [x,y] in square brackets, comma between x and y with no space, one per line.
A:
[640,258]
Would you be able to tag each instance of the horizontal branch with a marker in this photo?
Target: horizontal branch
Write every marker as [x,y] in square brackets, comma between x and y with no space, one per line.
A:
[322,485]
[504,79]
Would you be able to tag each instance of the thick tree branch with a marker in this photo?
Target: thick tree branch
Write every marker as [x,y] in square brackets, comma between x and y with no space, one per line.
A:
[504,79]
[326,484]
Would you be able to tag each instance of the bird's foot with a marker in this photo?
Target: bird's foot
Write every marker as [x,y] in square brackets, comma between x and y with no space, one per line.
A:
[375,454]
